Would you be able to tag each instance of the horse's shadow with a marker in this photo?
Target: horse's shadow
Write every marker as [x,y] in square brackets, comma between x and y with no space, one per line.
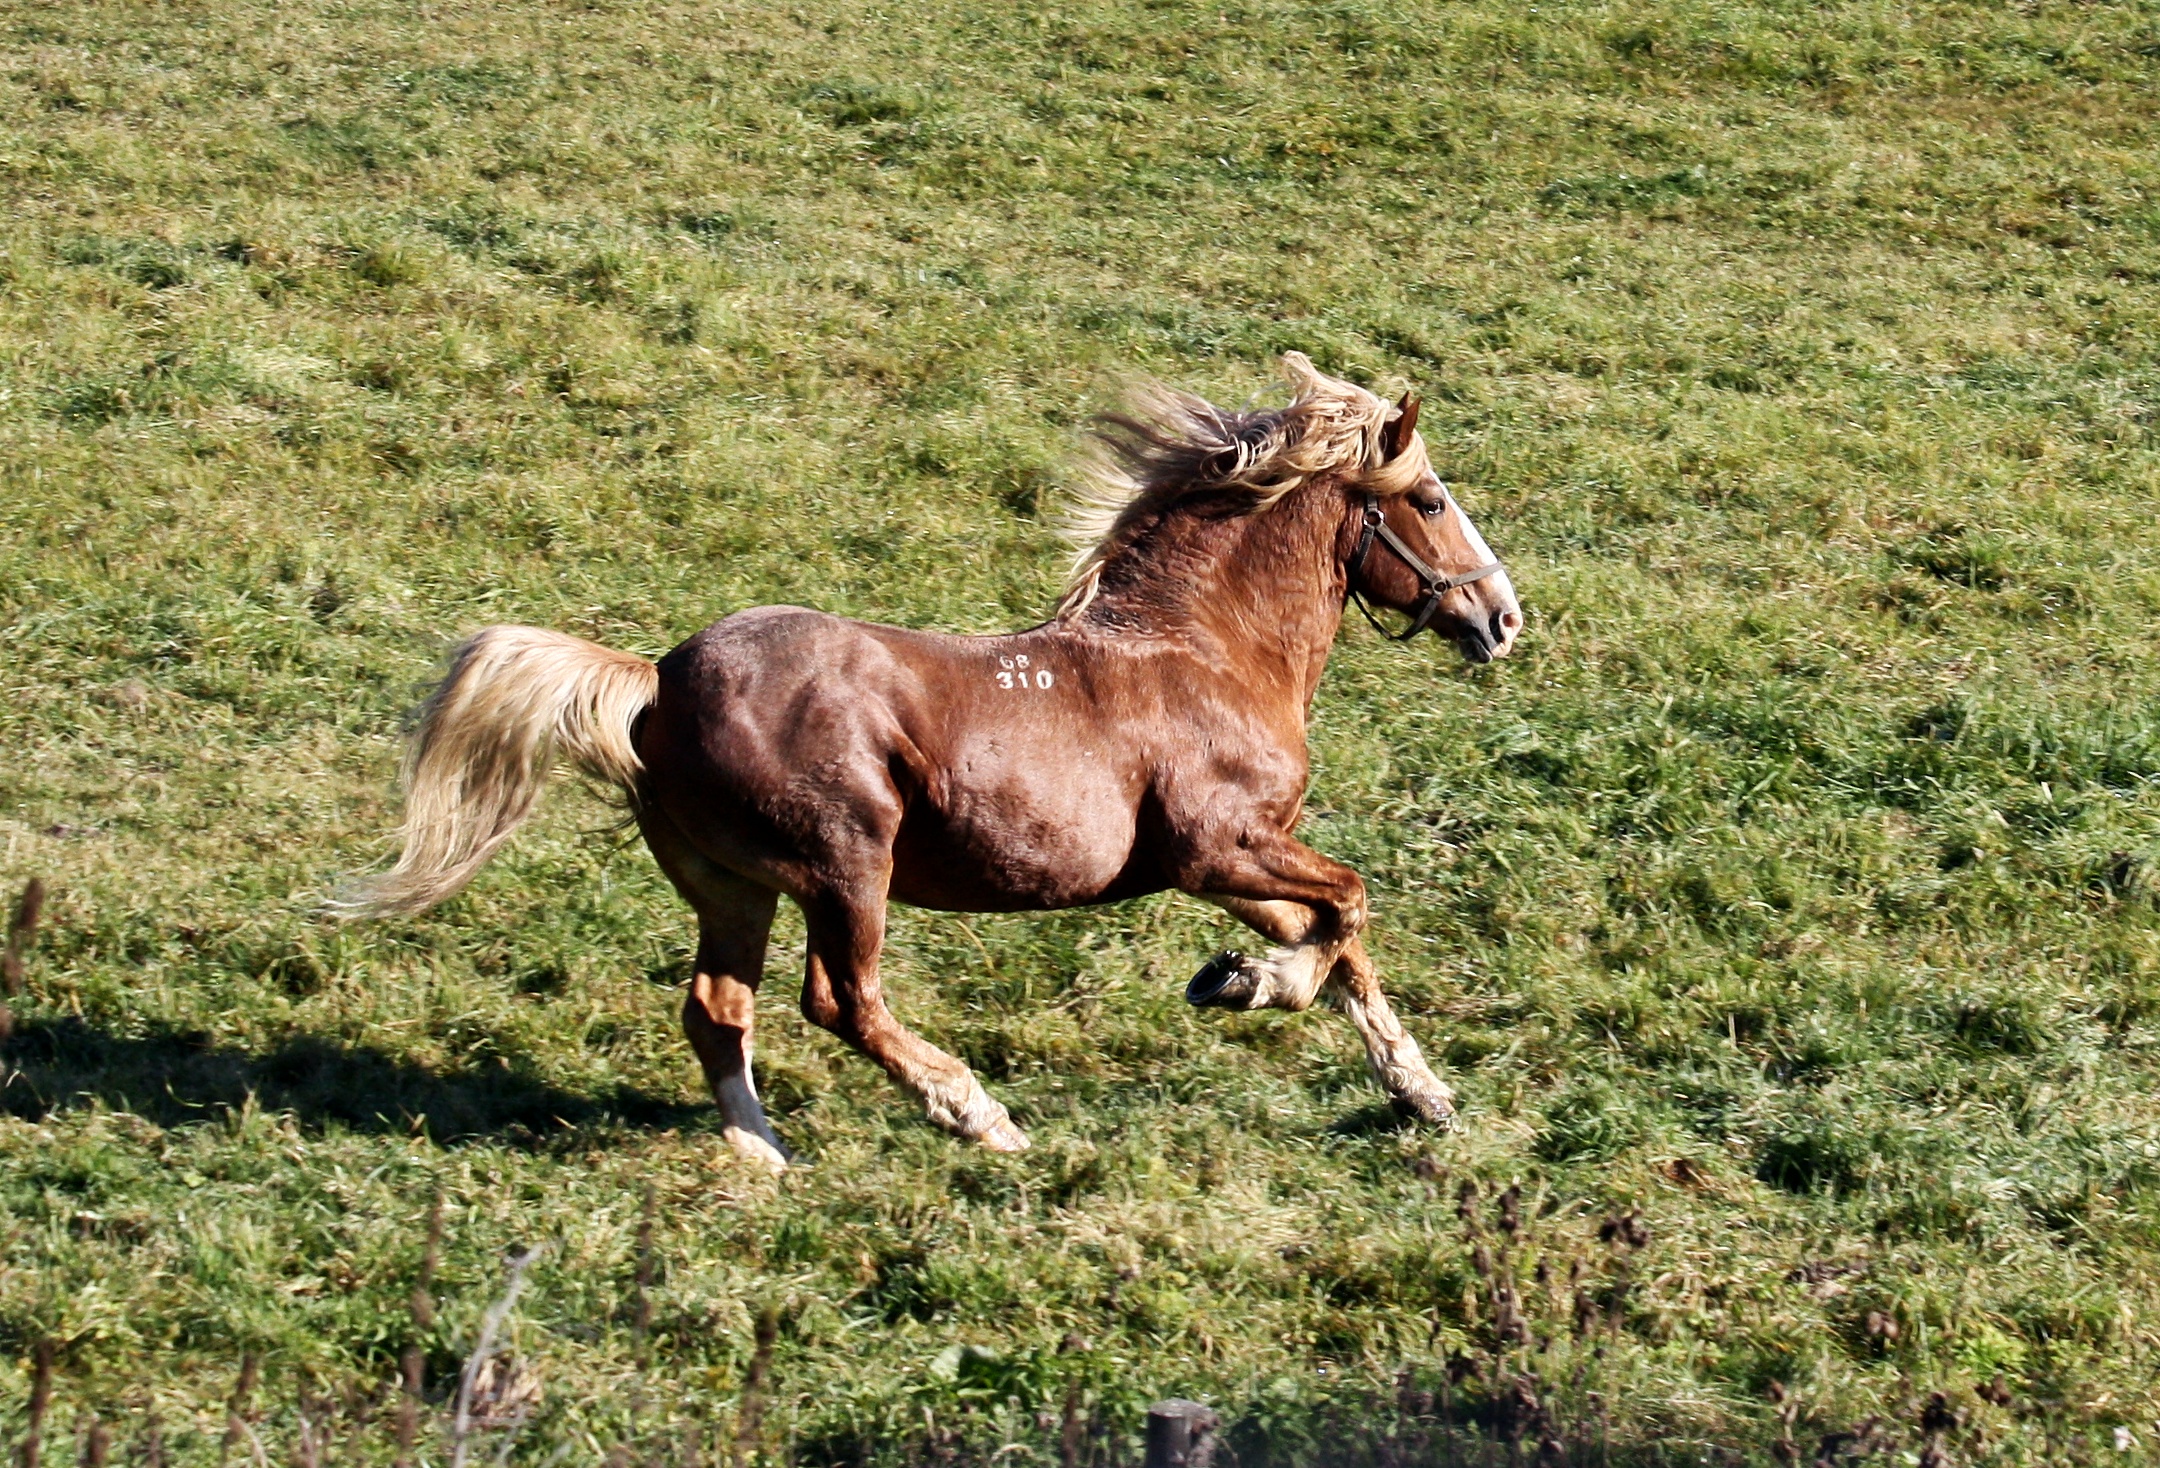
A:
[174,1076]
[1382,1118]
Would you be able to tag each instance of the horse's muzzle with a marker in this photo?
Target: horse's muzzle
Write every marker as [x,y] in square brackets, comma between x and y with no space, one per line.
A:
[1483,642]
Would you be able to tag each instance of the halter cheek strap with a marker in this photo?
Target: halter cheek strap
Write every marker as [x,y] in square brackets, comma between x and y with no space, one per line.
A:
[1434,585]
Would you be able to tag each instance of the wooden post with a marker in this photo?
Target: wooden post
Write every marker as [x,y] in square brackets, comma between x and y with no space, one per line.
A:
[1177,1433]
[22,932]
[41,1373]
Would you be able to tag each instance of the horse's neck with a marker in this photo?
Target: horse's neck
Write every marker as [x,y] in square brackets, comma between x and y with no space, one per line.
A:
[1261,594]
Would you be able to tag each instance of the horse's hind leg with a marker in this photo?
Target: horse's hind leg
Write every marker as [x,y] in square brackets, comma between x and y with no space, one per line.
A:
[719,1013]
[841,992]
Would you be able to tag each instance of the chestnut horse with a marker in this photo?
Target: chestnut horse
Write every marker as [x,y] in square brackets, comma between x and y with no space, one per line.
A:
[1150,736]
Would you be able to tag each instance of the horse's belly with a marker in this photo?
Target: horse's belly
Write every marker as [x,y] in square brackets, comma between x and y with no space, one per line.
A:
[1009,852]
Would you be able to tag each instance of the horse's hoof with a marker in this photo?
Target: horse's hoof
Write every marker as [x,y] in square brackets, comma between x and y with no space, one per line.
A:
[753,1148]
[1005,1137]
[1435,1108]
[1228,981]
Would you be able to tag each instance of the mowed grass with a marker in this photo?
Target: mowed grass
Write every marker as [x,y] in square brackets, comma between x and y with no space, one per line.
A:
[1794,886]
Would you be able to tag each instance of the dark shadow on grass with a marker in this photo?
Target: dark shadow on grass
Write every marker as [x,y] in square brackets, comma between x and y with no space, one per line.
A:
[174,1077]
[1382,1118]
[1473,1432]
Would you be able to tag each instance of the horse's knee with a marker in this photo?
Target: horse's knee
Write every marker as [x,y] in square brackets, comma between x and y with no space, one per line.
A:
[840,1013]
[1351,910]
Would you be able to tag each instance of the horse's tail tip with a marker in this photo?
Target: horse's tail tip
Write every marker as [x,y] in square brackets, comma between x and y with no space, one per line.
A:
[370,899]
[483,746]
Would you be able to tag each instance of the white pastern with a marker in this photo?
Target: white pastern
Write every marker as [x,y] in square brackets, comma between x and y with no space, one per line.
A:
[1397,1063]
[1290,977]
[755,1148]
[963,1107]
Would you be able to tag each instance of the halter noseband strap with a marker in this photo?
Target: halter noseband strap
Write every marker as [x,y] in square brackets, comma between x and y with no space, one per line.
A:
[1435,585]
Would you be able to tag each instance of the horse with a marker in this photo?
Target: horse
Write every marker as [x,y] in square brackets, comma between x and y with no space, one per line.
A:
[1150,736]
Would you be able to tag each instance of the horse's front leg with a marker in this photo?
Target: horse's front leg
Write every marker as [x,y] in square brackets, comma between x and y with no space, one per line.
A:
[842,993]
[1393,1055]
[1352,985]
[1311,905]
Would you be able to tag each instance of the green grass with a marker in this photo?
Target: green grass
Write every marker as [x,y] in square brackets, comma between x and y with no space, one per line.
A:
[1797,884]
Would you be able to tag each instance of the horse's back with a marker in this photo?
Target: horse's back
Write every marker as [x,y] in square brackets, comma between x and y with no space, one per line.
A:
[981,765]
[750,641]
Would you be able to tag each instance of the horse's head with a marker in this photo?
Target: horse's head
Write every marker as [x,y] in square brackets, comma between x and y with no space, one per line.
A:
[1415,551]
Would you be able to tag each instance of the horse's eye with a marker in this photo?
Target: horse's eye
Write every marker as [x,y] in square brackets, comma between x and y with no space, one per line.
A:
[1430,508]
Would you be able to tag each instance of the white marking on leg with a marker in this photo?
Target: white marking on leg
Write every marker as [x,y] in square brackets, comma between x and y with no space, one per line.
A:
[1290,977]
[961,1106]
[754,1148]
[1395,1059]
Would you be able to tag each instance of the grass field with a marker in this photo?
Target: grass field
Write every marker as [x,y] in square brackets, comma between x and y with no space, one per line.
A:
[1795,888]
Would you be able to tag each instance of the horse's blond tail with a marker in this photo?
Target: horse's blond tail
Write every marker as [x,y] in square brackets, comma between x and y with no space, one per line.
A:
[486,741]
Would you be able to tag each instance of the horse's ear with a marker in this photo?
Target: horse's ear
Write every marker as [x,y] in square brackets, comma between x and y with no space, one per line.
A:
[1396,436]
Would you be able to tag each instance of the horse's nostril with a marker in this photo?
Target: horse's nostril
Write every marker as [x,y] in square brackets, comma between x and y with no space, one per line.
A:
[1509,622]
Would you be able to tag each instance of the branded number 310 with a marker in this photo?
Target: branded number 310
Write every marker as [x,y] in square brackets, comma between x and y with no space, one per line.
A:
[1016,675]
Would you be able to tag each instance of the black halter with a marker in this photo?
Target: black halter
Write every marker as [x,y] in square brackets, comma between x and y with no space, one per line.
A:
[1436,585]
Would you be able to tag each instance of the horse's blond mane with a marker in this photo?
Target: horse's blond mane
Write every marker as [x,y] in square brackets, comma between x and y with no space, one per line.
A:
[1169,444]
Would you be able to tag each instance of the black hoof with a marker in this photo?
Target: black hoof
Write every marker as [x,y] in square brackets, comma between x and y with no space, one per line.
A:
[1227,982]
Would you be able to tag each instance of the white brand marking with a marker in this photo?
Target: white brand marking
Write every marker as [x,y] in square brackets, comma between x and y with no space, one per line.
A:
[1014,674]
